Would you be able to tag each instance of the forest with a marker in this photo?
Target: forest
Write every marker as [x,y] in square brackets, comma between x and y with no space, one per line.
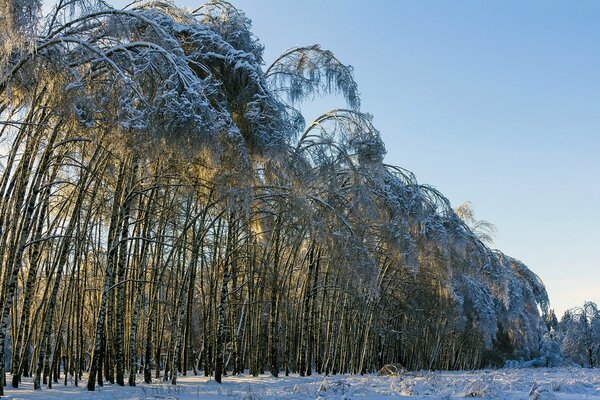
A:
[167,210]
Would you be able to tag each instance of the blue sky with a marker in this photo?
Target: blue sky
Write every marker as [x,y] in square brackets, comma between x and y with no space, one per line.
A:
[491,102]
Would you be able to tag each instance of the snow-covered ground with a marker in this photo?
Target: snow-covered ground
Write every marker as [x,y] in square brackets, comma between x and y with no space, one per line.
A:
[533,384]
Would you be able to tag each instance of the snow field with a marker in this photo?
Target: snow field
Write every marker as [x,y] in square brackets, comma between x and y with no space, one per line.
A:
[509,384]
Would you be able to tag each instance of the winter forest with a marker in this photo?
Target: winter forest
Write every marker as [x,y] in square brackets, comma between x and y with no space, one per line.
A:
[166,210]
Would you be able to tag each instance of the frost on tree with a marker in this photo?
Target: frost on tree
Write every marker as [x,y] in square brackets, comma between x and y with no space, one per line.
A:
[19,20]
[580,328]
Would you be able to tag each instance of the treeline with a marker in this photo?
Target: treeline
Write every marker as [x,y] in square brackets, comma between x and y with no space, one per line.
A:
[572,341]
[164,209]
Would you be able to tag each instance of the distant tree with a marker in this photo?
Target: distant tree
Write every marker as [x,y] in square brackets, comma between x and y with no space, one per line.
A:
[551,321]
[581,330]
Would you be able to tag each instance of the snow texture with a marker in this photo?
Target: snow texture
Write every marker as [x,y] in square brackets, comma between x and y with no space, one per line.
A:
[532,384]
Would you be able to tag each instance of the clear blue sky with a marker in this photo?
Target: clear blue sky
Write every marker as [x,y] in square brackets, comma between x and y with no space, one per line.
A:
[492,102]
